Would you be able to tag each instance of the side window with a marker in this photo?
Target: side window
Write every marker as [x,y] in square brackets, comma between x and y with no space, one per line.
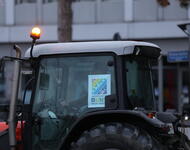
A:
[139,82]
[132,78]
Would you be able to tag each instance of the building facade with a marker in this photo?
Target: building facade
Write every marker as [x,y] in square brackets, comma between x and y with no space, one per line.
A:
[145,20]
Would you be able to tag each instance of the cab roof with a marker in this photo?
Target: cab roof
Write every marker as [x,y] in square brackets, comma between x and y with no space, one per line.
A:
[117,47]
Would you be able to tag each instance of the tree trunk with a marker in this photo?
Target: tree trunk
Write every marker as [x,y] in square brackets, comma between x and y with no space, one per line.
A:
[64,20]
[164,3]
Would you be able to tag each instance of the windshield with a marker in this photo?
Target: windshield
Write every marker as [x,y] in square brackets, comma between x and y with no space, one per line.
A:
[82,82]
[67,87]
[139,82]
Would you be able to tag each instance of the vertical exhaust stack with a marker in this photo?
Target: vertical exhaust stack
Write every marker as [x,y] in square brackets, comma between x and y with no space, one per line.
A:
[35,34]
[14,96]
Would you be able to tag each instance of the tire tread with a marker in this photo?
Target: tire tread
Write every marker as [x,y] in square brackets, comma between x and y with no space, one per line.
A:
[135,138]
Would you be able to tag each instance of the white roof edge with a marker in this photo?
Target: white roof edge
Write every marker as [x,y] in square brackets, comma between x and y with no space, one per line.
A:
[83,47]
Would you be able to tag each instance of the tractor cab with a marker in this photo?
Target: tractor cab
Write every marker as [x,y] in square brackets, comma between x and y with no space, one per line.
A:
[76,79]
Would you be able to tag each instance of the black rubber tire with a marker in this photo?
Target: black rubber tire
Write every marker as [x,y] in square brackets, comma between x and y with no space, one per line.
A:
[115,136]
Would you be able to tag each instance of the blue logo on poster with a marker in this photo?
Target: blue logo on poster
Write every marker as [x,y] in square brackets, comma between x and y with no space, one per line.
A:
[99,86]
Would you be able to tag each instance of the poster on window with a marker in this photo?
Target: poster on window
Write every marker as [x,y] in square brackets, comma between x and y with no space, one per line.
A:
[99,86]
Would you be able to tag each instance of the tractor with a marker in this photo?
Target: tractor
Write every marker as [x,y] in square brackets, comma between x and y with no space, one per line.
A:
[89,96]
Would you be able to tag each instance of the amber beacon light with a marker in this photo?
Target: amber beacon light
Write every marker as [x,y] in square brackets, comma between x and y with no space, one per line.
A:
[35,33]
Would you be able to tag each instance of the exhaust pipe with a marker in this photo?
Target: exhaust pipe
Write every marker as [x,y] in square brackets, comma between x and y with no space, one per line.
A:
[13,102]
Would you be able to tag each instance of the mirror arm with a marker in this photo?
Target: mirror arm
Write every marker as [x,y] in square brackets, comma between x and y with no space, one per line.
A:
[26,87]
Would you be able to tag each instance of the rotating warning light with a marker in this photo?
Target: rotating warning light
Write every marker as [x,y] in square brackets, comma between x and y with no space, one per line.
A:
[35,33]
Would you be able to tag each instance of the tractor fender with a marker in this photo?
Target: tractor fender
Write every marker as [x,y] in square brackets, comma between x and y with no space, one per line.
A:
[137,118]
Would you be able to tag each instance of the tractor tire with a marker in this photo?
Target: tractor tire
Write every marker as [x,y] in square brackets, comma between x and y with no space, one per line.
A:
[116,136]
